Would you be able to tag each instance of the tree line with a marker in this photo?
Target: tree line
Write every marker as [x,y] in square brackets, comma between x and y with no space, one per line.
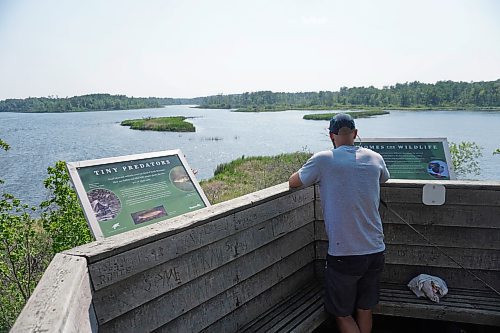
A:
[443,94]
[94,102]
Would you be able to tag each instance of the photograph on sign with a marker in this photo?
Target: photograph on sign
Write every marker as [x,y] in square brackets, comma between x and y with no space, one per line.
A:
[127,192]
[414,158]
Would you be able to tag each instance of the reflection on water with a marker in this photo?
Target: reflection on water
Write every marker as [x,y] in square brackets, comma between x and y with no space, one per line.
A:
[39,140]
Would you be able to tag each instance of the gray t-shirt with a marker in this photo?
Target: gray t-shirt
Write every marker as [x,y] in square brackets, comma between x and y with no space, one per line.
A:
[349,179]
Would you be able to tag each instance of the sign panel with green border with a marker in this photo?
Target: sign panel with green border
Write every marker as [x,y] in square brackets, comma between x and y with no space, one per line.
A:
[128,192]
[414,158]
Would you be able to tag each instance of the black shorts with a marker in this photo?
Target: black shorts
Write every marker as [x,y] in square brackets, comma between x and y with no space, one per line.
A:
[352,282]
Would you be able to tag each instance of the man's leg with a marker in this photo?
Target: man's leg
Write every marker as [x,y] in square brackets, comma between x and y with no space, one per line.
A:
[368,292]
[364,320]
[347,325]
[362,324]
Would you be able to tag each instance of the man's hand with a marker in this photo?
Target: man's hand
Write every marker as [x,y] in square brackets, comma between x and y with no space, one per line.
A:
[294,181]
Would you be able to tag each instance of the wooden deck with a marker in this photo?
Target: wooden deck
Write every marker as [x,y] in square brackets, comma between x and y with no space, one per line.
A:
[255,263]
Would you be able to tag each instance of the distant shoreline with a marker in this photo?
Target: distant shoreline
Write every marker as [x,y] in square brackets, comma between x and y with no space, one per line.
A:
[85,111]
[409,96]
[352,108]
[319,108]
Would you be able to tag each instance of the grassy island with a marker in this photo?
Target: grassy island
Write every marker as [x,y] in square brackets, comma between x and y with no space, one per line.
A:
[167,124]
[355,115]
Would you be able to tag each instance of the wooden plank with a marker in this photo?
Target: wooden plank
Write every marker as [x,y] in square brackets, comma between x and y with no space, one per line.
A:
[460,305]
[430,256]
[297,315]
[471,238]
[321,249]
[127,294]
[61,301]
[81,315]
[454,277]
[127,263]
[223,305]
[217,294]
[313,320]
[319,269]
[454,299]
[260,205]
[124,265]
[457,192]
[236,320]
[280,310]
[446,215]
[464,195]
[468,237]
[437,312]
[472,184]
[319,210]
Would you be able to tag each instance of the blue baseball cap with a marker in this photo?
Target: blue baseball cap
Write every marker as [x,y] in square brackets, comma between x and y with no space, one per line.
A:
[342,124]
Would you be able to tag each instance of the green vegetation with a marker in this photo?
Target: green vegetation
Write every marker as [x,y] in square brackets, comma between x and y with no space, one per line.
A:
[95,102]
[355,115]
[24,255]
[4,145]
[444,95]
[62,217]
[464,158]
[28,242]
[497,151]
[249,174]
[262,108]
[170,124]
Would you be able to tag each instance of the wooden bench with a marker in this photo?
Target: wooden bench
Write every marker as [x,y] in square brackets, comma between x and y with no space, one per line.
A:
[304,310]
[301,312]
[460,305]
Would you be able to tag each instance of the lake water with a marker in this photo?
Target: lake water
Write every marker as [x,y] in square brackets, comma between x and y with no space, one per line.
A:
[39,140]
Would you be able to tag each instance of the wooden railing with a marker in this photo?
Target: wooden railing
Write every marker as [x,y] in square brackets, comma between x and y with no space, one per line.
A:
[221,267]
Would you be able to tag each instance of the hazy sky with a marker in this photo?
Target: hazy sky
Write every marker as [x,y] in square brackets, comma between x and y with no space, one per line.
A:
[191,48]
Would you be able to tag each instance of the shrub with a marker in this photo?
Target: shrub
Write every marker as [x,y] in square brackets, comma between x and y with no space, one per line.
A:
[464,158]
[62,215]
[24,256]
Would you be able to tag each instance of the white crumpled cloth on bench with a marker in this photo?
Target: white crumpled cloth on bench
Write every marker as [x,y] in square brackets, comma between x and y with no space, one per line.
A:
[428,286]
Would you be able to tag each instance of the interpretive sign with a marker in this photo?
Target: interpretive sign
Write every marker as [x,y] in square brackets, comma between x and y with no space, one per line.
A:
[407,158]
[128,192]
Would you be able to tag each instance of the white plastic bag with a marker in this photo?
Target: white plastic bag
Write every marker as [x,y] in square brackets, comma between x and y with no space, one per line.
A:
[428,286]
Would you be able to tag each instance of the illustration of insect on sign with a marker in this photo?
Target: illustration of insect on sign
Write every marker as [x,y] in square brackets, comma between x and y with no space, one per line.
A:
[128,192]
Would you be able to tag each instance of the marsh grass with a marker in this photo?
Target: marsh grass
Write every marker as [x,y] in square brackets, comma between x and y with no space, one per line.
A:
[355,115]
[168,124]
[249,174]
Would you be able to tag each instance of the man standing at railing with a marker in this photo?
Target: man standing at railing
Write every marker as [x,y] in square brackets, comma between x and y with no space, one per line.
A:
[349,179]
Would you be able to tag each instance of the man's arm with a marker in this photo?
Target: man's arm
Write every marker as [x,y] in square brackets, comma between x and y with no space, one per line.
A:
[294,181]
[385,175]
